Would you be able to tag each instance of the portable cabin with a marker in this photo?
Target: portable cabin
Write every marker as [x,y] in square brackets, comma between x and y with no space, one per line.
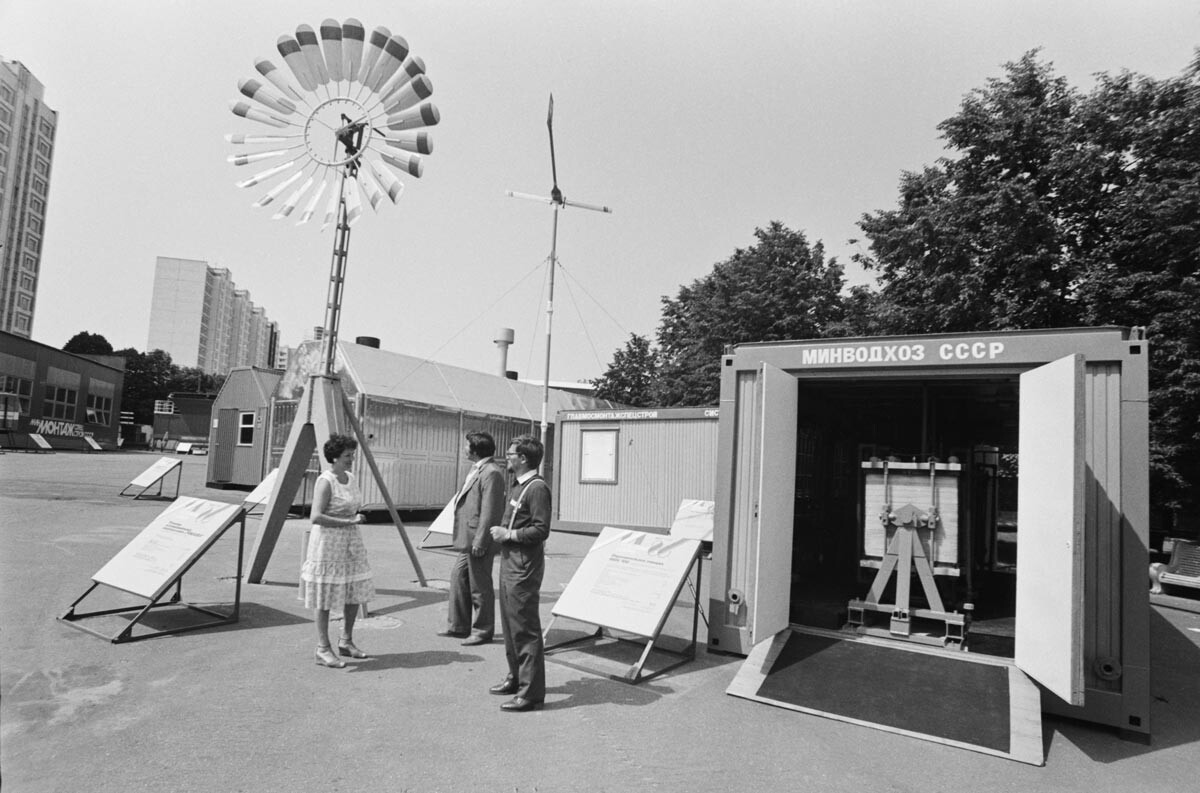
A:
[1017,466]
[415,413]
[631,468]
[238,439]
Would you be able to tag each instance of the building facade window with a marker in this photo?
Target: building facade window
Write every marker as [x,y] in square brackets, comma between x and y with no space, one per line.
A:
[100,401]
[99,409]
[598,455]
[15,393]
[246,429]
[59,403]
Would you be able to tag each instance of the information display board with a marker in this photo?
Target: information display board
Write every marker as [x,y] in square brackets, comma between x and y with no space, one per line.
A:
[694,520]
[154,475]
[157,556]
[628,581]
[444,522]
[262,493]
[161,467]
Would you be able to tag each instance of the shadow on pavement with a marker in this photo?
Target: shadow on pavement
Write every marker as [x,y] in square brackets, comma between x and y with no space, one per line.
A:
[415,660]
[1174,702]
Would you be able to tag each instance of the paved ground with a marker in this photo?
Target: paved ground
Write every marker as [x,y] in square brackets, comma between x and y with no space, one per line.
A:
[244,708]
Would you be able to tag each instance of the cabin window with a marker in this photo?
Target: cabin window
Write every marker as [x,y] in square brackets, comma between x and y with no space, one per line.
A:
[246,429]
[598,456]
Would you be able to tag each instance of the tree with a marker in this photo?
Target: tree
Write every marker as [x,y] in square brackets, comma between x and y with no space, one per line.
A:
[632,375]
[780,288]
[84,343]
[1059,209]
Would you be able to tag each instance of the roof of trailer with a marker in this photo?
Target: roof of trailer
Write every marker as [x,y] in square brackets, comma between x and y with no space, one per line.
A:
[392,375]
[247,386]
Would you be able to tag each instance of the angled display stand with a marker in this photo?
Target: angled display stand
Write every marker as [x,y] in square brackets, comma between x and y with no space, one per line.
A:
[443,524]
[155,561]
[153,475]
[40,444]
[628,582]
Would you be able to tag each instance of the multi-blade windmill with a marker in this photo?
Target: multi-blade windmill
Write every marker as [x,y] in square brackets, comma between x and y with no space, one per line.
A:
[355,102]
[559,201]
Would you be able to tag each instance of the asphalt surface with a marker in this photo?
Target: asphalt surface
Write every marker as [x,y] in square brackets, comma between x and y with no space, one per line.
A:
[245,708]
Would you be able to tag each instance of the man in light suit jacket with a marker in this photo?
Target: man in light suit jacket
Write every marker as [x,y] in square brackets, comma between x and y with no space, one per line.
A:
[522,536]
[478,506]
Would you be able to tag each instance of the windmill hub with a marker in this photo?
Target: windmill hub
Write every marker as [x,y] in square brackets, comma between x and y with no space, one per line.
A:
[332,132]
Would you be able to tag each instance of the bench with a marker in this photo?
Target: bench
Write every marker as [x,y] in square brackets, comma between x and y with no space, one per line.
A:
[1182,570]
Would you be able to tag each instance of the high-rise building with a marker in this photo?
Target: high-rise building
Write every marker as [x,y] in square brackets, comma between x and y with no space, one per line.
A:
[200,318]
[26,150]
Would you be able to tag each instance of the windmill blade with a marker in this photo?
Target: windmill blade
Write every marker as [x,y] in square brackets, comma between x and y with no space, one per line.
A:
[311,207]
[290,203]
[331,45]
[402,161]
[244,110]
[550,129]
[276,78]
[253,89]
[311,48]
[246,159]
[415,141]
[410,69]
[419,88]
[393,186]
[259,139]
[331,209]
[289,48]
[374,194]
[353,202]
[274,192]
[424,115]
[529,197]
[395,50]
[353,36]
[375,45]
[593,207]
[267,174]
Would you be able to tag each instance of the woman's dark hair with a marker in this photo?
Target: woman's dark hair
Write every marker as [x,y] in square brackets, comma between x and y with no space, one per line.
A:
[337,445]
[481,444]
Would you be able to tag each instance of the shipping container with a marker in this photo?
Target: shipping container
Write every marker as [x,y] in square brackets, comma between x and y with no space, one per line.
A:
[1015,466]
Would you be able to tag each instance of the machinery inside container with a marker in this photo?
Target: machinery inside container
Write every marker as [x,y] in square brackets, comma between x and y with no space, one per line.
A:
[841,425]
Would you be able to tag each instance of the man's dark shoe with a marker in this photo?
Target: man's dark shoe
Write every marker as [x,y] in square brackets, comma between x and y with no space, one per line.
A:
[520,704]
[506,686]
[454,634]
[474,640]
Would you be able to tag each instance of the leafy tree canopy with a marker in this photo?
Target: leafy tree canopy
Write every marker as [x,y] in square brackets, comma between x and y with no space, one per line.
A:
[84,343]
[1060,208]
[631,378]
[779,288]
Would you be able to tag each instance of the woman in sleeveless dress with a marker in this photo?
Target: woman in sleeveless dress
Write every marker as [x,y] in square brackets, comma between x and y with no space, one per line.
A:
[336,573]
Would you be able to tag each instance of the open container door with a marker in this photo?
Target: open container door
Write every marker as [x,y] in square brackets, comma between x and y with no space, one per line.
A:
[776,396]
[1050,517]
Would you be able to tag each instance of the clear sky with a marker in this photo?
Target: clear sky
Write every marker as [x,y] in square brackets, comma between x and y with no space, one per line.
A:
[695,121]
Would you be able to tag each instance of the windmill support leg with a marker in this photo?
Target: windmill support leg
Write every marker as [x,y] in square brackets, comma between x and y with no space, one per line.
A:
[317,417]
[323,410]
